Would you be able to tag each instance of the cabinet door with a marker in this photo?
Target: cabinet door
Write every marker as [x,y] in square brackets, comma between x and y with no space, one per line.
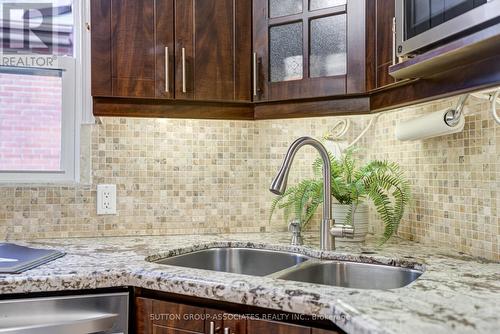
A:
[308,48]
[155,316]
[100,40]
[384,41]
[167,330]
[165,49]
[129,43]
[133,48]
[234,324]
[272,327]
[143,311]
[213,49]
[223,323]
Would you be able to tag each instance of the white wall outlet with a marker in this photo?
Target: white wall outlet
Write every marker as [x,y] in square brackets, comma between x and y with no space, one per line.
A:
[106,199]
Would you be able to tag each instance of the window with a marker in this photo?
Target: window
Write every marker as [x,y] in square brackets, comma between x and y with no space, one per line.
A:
[30,119]
[42,90]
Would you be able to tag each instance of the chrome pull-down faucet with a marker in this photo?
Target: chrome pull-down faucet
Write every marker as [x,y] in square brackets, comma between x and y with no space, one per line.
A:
[328,229]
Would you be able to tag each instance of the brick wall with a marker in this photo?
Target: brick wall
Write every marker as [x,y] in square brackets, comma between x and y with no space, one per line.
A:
[30,122]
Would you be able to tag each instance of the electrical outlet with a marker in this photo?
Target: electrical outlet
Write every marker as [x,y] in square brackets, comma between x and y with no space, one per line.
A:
[106,199]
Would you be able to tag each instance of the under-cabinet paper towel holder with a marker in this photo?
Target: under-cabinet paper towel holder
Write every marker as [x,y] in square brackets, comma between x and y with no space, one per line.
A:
[452,116]
[435,124]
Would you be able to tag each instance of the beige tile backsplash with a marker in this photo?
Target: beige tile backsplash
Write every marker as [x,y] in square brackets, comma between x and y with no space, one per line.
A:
[205,176]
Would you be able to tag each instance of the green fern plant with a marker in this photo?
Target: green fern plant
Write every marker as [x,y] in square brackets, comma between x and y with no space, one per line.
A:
[302,200]
[382,182]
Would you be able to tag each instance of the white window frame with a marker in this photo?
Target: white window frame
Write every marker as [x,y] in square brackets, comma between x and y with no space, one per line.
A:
[76,108]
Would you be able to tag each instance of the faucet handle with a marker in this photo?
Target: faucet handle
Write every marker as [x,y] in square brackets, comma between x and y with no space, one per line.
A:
[342,231]
[294,225]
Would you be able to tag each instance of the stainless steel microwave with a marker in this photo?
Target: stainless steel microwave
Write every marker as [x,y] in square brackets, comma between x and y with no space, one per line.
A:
[422,24]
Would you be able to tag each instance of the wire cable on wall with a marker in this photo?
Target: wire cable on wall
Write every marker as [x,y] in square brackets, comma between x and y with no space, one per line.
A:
[494,98]
[494,101]
[339,130]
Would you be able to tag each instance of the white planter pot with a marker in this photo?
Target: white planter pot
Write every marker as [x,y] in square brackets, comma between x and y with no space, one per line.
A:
[360,220]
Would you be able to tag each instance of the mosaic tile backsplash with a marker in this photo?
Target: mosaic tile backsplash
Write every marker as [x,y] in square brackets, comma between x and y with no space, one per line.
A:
[205,176]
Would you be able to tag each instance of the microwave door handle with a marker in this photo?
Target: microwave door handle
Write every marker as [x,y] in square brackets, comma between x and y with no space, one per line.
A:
[84,325]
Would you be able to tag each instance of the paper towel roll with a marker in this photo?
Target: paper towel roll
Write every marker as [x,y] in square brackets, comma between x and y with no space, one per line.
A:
[427,126]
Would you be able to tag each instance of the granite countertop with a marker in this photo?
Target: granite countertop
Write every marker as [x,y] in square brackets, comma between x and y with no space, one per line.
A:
[456,293]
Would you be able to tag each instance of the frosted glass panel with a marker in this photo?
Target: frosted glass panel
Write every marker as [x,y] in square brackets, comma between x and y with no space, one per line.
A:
[284,7]
[286,52]
[320,4]
[328,46]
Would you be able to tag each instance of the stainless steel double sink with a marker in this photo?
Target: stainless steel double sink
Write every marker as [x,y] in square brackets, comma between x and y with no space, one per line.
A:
[295,267]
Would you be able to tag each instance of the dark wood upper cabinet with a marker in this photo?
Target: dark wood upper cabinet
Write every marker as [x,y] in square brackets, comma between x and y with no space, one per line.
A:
[133,48]
[384,44]
[183,49]
[164,49]
[308,48]
[265,59]
[101,48]
[129,43]
[213,56]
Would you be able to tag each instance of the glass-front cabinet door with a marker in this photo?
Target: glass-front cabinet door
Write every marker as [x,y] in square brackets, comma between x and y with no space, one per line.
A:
[302,48]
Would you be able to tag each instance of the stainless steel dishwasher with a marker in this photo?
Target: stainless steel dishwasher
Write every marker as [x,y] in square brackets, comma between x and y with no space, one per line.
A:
[82,314]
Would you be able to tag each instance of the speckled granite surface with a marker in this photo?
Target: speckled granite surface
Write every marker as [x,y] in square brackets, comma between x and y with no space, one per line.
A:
[456,294]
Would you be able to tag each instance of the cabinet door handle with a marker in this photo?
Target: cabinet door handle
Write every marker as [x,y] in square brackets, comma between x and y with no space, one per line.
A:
[394,58]
[212,329]
[167,88]
[255,73]
[183,51]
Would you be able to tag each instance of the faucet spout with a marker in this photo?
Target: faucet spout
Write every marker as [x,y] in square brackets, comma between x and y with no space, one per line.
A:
[279,184]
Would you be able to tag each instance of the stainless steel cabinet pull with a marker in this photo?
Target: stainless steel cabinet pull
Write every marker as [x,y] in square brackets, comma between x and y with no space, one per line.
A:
[394,58]
[255,73]
[212,329]
[167,88]
[184,70]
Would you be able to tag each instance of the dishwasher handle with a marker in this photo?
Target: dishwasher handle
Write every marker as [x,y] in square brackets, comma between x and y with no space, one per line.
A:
[76,324]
